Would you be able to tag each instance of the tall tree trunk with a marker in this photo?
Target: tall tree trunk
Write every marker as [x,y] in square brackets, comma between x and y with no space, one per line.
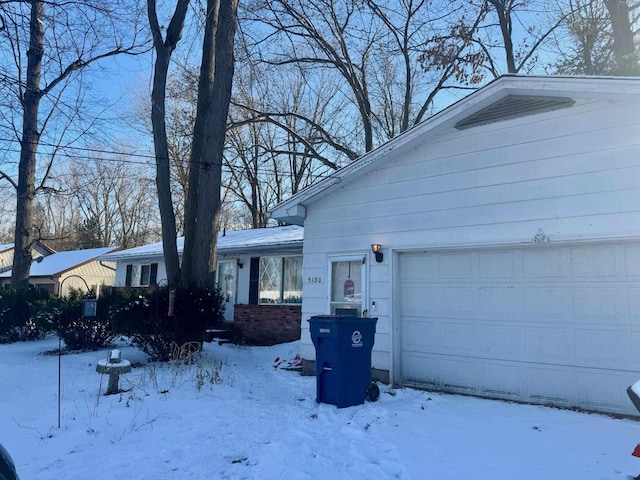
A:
[214,93]
[159,127]
[623,46]
[25,192]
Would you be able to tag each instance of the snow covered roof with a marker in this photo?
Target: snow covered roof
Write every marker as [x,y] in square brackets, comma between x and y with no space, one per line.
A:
[287,238]
[60,262]
[494,101]
[4,247]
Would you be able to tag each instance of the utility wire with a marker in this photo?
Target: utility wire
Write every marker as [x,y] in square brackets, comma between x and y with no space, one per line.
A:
[142,156]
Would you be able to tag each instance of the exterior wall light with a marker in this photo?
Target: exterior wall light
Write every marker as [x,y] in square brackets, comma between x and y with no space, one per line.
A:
[239,263]
[376,248]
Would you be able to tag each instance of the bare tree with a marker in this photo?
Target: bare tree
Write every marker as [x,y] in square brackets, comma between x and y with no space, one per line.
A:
[488,46]
[57,216]
[164,49]
[585,43]
[117,197]
[370,49]
[205,172]
[51,44]
[278,135]
[104,200]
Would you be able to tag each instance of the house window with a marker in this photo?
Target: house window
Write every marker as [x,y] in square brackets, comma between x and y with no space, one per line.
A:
[347,287]
[280,280]
[141,275]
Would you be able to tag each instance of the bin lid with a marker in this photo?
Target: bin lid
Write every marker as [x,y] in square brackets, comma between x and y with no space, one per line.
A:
[341,318]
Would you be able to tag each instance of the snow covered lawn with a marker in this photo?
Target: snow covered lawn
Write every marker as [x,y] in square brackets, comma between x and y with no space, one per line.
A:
[233,415]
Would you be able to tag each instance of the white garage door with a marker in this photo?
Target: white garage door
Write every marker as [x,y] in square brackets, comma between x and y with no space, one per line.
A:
[541,324]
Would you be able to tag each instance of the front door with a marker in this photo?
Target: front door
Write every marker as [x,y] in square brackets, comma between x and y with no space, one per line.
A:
[227,282]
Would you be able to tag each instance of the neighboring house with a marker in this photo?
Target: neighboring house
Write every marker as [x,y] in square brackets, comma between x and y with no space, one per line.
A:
[509,228]
[6,254]
[59,272]
[259,273]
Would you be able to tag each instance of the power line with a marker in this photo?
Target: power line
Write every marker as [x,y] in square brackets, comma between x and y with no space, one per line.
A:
[121,154]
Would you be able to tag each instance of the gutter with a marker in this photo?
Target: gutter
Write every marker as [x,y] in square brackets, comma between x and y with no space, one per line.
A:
[108,267]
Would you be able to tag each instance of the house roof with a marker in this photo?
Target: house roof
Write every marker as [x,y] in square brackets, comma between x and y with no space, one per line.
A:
[60,262]
[235,242]
[506,97]
[4,247]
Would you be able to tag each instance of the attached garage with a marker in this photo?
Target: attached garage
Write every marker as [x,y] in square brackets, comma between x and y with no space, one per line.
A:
[556,324]
[507,230]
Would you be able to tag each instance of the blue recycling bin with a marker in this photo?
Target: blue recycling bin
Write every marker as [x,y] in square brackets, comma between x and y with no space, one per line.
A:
[343,359]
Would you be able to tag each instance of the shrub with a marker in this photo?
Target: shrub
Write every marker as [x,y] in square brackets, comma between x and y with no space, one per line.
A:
[145,319]
[80,333]
[24,314]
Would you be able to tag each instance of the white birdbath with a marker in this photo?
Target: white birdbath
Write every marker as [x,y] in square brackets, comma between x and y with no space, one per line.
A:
[113,366]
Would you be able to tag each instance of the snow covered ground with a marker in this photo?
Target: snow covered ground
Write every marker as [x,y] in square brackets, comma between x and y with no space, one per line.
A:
[233,415]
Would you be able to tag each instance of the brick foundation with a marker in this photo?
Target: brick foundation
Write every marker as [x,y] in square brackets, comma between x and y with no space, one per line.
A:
[267,324]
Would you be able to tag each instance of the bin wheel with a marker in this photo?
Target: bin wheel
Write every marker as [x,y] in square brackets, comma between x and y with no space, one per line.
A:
[372,392]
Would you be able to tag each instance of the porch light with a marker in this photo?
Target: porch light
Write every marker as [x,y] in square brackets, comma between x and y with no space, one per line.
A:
[239,263]
[376,248]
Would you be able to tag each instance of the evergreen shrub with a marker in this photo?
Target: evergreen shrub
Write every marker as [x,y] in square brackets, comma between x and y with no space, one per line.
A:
[87,333]
[146,320]
[24,314]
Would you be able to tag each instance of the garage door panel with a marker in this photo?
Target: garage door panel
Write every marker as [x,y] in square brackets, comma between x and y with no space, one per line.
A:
[547,303]
[419,267]
[542,263]
[420,334]
[594,348]
[550,345]
[534,323]
[502,380]
[420,300]
[457,300]
[456,338]
[498,302]
[456,265]
[634,340]
[547,384]
[632,260]
[601,390]
[452,374]
[497,265]
[498,342]
[598,304]
[593,261]
[633,301]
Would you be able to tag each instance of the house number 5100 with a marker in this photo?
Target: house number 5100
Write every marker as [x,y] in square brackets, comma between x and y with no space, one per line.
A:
[314,280]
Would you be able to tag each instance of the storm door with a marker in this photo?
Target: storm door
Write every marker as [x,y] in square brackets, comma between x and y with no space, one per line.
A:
[227,283]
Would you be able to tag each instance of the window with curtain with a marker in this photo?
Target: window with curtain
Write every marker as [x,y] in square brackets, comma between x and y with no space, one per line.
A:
[280,280]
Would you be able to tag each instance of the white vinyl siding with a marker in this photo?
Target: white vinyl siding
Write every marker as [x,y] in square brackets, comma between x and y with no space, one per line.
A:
[571,175]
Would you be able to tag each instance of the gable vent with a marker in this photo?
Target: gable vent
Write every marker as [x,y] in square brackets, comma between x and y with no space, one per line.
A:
[514,106]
